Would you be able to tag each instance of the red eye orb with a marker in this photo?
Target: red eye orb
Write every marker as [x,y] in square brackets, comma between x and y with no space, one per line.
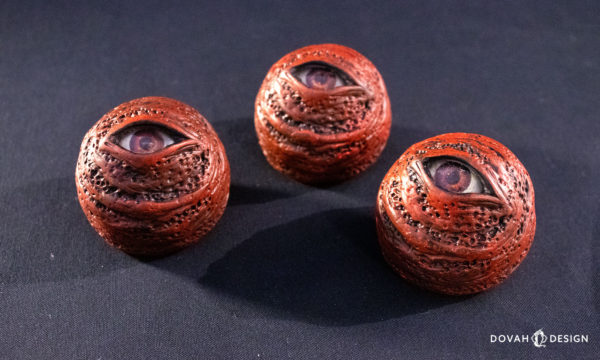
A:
[152,176]
[146,141]
[456,213]
[322,114]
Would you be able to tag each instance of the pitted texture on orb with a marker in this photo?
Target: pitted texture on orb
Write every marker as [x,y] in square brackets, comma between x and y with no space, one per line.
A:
[451,242]
[154,203]
[325,133]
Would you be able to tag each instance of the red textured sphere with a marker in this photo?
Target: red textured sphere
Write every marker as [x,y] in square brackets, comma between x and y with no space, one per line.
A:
[322,114]
[456,213]
[152,176]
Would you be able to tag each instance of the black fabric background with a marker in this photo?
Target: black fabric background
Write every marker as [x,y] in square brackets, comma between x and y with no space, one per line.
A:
[292,271]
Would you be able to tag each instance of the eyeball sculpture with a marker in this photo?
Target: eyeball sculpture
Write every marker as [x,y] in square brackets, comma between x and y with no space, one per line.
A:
[322,114]
[152,176]
[456,214]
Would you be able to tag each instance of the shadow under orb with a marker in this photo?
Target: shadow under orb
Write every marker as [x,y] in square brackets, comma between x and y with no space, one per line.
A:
[324,269]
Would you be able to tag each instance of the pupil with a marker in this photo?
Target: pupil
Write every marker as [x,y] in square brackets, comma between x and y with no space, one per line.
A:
[146,142]
[320,78]
[452,177]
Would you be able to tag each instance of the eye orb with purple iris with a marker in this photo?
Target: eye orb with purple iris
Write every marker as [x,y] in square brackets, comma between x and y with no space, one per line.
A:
[143,171]
[456,214]
[322,114]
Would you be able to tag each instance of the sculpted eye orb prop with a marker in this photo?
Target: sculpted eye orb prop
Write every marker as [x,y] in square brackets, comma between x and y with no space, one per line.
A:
[322,114]
[456,213]
[152,176]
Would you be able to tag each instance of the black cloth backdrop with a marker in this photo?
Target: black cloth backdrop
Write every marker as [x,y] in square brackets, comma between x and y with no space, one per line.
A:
[292,271]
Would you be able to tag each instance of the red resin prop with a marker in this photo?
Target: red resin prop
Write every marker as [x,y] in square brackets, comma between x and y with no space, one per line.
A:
[322,114]
[456,213]
[152,176]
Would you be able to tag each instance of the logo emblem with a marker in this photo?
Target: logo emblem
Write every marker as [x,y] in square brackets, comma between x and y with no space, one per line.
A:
[539,338]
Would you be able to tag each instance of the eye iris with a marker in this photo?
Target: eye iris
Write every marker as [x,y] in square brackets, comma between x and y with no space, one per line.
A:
[320,78]
[146,141]
[452,177]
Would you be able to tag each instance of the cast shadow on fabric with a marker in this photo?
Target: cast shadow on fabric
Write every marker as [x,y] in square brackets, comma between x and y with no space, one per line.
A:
[324,269]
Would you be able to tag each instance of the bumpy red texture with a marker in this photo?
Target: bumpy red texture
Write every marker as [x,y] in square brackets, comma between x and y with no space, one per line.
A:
[322,134]
[153,204]
[456,243]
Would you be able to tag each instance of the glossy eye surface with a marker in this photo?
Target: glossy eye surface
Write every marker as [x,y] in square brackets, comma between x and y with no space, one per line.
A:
[321,76]
[146,139]
[455,176]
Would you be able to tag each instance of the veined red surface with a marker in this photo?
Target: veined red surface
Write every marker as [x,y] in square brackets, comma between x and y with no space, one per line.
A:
[449,233]
[152,176]
[322,114]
